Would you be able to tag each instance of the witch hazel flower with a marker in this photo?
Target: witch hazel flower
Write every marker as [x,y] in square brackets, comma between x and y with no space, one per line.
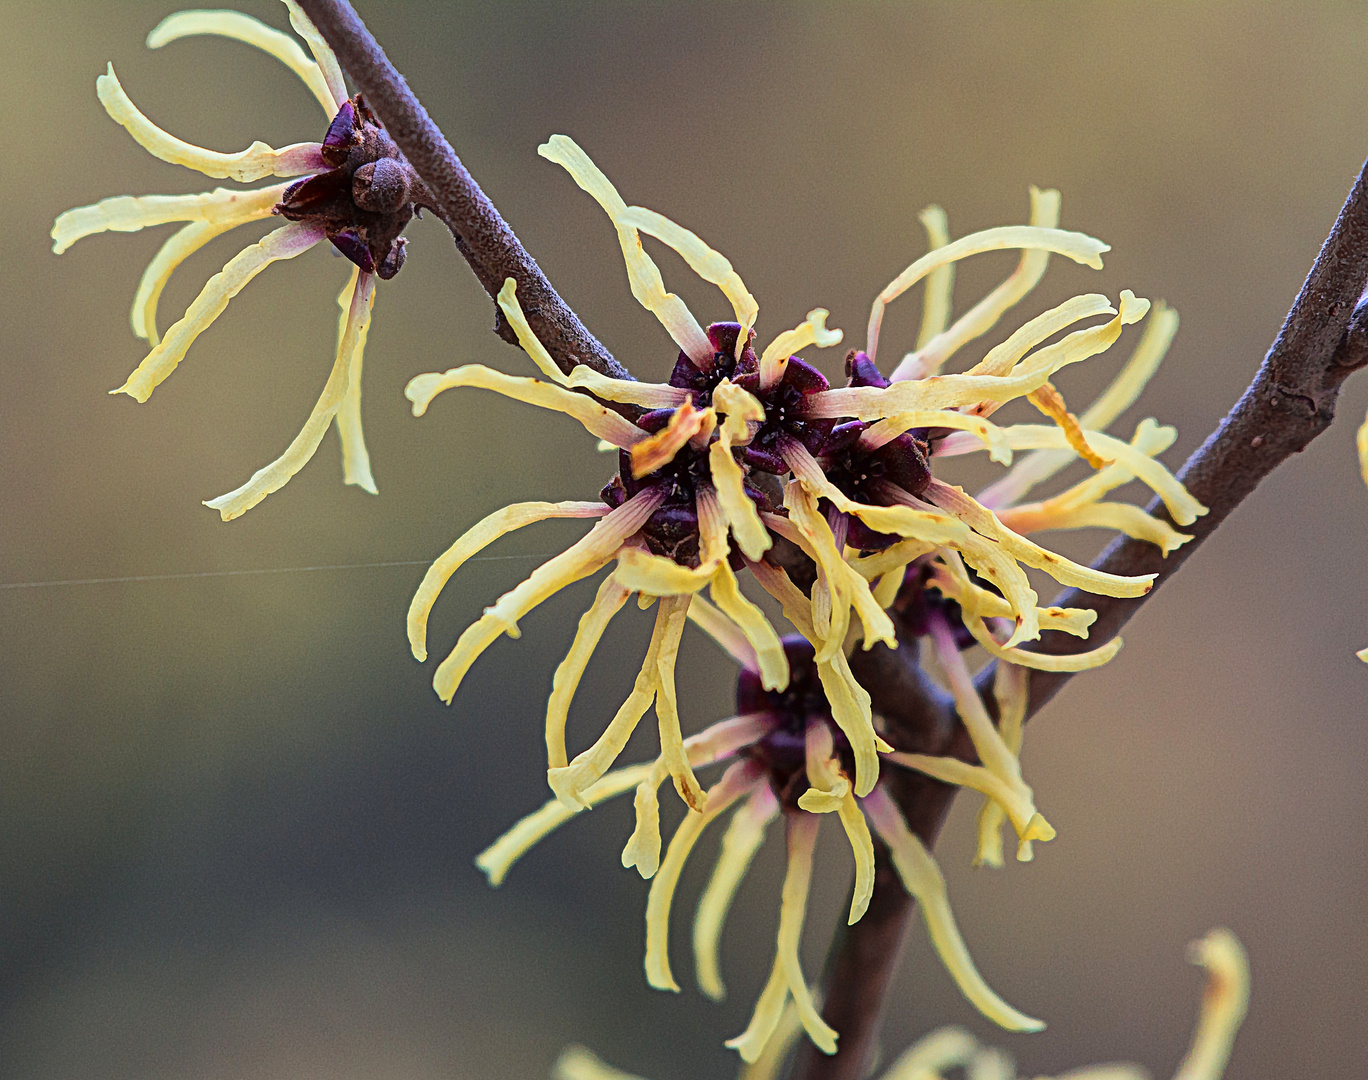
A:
[786,758]
[358,193]
[682,514]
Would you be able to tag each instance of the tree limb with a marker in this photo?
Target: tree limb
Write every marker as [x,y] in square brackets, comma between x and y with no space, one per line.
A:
[481,234]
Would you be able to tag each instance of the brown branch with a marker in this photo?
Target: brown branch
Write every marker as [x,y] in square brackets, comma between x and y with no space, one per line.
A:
[1289,403]
[481,234]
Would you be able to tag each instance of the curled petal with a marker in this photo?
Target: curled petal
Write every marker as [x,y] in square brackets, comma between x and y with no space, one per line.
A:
[922,878]
[130,213]
[811,331]
[577,1063]
[969,389]
[175,251]
[351,340]
[256,161]
[497,859]
[356,466]
[672,751]
[596,419]
[578,561]
[1011,687]
[786,977]
[607,603]
[1049,401]
[740,778]
[940,282]
[1223,1005]
[1124,517]
[950,578]
[244,28]
[471,543]
[655,575]
[712,266]
[294,239]
[642,274]
[327,60]
[1077,246]
[649,395]
[889,428]
[983,316]
[742,840]
[926,1059]
[1063,570]
[750,620]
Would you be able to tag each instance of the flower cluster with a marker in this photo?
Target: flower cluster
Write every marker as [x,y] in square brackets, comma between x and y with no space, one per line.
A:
[950,1048]
[737,453]
[358,192]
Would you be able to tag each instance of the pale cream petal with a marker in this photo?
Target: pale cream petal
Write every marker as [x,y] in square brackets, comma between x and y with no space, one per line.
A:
[1181,505]
[277,474]
[130,213]
[894,558]
[607,603]
[1084,661]
[802,838]
[922,878]
[672,751]
[889,428]
[241,27]
[811,331]
[655,575]
[578,561]
[932,1054]
[725,632]
[797,607]
[751,535]
[184,243]
[1076,246]
[1224,1005]
[1011,690]
[1001,359]
[827,785]
[940,283]
[256,161]
[862,848]
[998,568]
[1065,571]
[1124,517]
[739,779]
[742,840]
[766,1066]
[983,316]
[294,239]
[850,709]
[327,60]
[974,390]
[786,977]
[642,274]
[1026,819]
[356,466]
[497,859]
[596,419]
[649,395]
[991,1063]
[708,747]
[1137,371]
[472,542]
[712,266]
[951,578]
[577,1063]
[763,638]
[569,782]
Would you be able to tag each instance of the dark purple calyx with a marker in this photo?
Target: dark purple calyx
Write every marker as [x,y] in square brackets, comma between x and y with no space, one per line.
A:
[783,749]
[367,197]
[917,602]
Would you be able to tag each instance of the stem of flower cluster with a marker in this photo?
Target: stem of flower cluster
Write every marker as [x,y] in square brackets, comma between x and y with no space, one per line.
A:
[1290,401]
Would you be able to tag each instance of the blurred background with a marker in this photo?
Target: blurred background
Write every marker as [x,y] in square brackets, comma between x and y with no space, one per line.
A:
[236,824]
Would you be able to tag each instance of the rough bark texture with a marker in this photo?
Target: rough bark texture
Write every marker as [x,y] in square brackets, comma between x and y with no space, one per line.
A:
[1289,403]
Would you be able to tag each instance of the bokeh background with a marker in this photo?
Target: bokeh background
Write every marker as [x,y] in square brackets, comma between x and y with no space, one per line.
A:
[236,825]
